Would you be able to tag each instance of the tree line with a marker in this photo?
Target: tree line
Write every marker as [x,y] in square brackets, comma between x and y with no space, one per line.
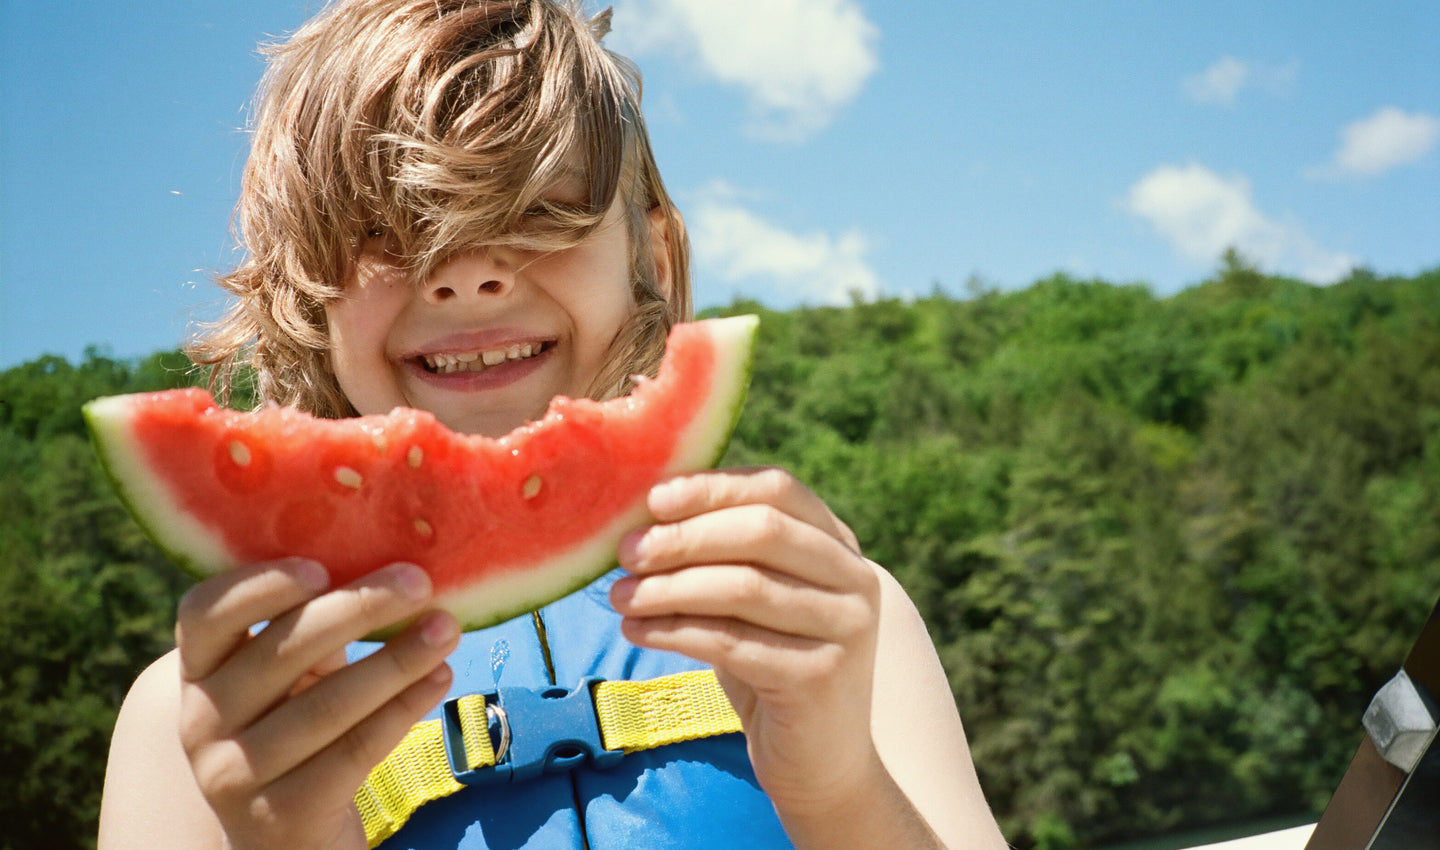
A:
[1168,547]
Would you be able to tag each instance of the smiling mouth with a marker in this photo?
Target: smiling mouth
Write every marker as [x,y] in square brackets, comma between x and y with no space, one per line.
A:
[479,361]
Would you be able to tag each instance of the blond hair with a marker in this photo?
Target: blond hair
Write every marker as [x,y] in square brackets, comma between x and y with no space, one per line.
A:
[439,123]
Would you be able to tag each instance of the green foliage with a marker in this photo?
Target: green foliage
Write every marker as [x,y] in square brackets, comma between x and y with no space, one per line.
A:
[85,601]
[1167,548]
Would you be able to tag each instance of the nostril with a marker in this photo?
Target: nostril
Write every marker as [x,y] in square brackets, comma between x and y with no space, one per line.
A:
[438,292]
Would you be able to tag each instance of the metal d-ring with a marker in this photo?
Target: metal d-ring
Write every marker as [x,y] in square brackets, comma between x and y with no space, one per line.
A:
[494,712]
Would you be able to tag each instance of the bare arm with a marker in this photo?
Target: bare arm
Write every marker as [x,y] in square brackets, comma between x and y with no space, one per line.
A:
[848,717]
[258,741]
[917,728]
[923,792]
[150,798]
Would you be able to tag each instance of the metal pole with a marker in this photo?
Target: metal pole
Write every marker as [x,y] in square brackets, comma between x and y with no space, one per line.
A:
[1389,798]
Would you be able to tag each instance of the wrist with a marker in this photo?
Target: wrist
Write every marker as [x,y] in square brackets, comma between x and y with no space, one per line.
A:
[863,809]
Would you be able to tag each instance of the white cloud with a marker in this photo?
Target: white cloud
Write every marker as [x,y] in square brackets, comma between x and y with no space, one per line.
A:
[1223,81]
[1388,139]
[1219,83]
[1201,214]
[797,61]
[734,244]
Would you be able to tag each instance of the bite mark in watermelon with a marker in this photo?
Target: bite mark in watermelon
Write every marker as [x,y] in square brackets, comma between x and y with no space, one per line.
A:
[502,526]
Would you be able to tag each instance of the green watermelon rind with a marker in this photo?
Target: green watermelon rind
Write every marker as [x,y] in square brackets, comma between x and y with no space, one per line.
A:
[196,549]
[180,536]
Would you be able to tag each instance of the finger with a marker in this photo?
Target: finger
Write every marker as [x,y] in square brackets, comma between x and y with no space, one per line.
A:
[270,665]
[215,616]
[689,495]
[226,769]
[750,533]
[327,666]
[308,723]
[770,600]
[342,767]
[762,660]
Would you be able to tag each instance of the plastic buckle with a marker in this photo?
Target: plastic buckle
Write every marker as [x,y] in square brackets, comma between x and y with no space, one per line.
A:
[541,731]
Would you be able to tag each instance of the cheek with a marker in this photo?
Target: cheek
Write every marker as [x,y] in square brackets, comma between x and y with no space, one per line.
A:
[360,324]
[350,344]
[605,309]
[608,298]
[365,315]
[354,334]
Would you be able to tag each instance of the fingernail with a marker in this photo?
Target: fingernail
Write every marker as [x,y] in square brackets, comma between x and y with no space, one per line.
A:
[439,630]
[622,591]
[631,546]
[664,496]
[312,575]
[413,581]
[439,674]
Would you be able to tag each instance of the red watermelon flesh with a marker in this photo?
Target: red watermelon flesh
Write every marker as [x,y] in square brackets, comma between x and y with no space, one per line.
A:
[502,525]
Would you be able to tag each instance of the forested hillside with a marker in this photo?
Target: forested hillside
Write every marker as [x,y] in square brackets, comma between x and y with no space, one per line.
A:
[1168,547]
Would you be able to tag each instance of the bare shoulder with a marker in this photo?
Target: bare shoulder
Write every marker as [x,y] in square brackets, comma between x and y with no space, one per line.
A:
[149,717]
[150,797]
[917,728]
[157,688]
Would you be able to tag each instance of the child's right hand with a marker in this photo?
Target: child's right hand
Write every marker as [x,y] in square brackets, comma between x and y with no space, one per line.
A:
[278,731]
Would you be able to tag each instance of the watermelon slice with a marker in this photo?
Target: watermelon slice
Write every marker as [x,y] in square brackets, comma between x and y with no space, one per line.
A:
[503,526]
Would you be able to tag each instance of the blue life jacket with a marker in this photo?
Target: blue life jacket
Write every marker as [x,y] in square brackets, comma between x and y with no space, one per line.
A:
[698,794]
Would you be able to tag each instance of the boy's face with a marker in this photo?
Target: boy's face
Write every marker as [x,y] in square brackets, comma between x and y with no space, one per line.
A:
[542,322]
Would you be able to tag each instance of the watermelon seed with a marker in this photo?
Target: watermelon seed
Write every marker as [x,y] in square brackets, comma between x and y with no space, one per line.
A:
[381,444]
[240,453]
[531,488]
[415,455]
[423,528]
[348,477]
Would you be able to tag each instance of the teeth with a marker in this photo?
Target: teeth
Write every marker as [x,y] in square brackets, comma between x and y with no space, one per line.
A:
[474,361]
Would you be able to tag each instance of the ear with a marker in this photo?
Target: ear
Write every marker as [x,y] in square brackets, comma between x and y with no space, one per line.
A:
[659,219]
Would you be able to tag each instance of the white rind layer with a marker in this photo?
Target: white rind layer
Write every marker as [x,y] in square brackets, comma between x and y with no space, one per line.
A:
[196,548]
[705,440]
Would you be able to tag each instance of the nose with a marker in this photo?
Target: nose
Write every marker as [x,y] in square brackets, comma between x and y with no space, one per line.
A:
[475,274]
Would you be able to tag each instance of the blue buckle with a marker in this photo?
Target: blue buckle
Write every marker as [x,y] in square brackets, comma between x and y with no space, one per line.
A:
[541,731]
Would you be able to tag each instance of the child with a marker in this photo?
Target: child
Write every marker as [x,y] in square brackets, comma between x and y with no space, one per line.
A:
[458,177]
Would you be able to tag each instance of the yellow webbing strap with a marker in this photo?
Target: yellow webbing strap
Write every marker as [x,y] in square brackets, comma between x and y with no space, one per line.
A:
[668,710]
[417,771]
[632,716]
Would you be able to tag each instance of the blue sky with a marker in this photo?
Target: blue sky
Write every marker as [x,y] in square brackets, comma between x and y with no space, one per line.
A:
[817,147]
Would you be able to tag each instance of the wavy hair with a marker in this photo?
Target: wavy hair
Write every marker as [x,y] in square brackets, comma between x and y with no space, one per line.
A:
[439,123]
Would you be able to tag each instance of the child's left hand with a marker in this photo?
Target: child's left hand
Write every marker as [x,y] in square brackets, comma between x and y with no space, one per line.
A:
[749,571]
